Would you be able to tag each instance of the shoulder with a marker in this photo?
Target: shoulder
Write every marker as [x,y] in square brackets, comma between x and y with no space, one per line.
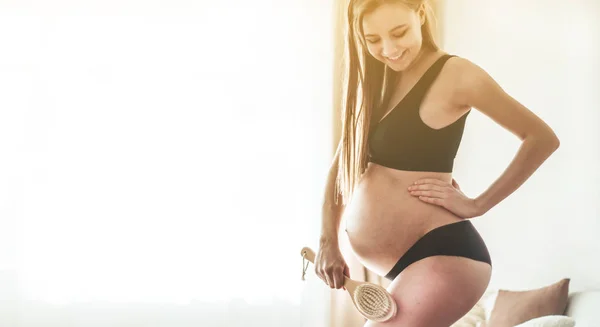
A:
[475,88]
[469,81]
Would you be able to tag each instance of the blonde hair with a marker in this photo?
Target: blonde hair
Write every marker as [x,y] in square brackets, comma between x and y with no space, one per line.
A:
[373,80]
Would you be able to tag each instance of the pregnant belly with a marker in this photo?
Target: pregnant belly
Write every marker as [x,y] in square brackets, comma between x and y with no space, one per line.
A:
[383,220]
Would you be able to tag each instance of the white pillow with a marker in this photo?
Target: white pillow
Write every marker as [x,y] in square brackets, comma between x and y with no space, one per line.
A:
[549,321]
[488,301]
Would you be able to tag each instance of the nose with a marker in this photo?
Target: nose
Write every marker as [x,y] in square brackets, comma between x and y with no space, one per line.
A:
[388,49]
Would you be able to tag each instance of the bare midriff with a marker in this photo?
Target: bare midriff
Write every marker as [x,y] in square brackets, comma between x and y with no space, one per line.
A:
[383,220]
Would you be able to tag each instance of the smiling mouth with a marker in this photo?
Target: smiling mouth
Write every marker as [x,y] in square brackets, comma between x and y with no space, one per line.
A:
[394,59]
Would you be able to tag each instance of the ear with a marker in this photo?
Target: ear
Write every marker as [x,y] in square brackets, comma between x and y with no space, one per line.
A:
[422,13]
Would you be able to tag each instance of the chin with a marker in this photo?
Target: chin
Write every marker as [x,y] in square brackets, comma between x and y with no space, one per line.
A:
[398,67]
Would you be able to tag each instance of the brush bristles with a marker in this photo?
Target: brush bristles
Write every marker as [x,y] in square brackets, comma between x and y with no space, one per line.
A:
[374,302]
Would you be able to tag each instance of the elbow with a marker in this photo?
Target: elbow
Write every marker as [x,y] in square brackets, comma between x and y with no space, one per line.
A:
[554,141]
[549,143]
[546,138]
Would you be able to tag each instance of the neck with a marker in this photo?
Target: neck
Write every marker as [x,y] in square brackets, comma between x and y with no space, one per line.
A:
[421,62]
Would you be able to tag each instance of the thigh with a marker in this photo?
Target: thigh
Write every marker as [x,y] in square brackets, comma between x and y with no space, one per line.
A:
[436,291]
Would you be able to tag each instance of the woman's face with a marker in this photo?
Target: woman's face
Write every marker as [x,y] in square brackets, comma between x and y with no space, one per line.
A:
[393,34]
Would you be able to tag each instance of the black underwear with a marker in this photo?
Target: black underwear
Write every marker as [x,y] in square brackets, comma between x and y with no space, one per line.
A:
[457,239]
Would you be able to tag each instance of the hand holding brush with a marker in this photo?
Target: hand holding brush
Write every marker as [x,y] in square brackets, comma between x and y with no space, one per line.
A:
[371,300]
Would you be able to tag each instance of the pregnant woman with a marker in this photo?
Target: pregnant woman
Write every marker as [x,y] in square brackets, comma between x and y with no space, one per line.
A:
[391,178]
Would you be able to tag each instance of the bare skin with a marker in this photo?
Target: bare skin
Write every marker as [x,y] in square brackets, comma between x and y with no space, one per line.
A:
[383,206]
[383,219]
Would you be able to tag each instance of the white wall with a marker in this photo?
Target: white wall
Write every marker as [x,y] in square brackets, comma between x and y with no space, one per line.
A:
[545,54]
[162,163]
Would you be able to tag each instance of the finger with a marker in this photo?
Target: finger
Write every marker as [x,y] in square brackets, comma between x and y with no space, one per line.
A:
[328,279]
[431,181]
[436,201]
[321,273]
[455,184]
[318,273]
[431,194]
[338,279]
[432,187]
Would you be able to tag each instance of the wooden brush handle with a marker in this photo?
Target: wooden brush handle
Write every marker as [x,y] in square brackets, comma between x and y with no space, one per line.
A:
[308,253]
[349,284]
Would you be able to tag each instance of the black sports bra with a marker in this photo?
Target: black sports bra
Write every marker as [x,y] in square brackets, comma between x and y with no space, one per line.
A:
[401,140]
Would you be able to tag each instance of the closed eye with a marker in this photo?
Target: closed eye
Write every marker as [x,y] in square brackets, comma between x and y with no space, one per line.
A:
[396,36]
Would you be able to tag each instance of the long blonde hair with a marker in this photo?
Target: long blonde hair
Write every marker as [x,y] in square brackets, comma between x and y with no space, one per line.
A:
[374,81]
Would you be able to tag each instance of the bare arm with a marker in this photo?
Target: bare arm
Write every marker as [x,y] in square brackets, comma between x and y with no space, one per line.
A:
[532,153]
[480,91]
[330,265]
[331,212]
